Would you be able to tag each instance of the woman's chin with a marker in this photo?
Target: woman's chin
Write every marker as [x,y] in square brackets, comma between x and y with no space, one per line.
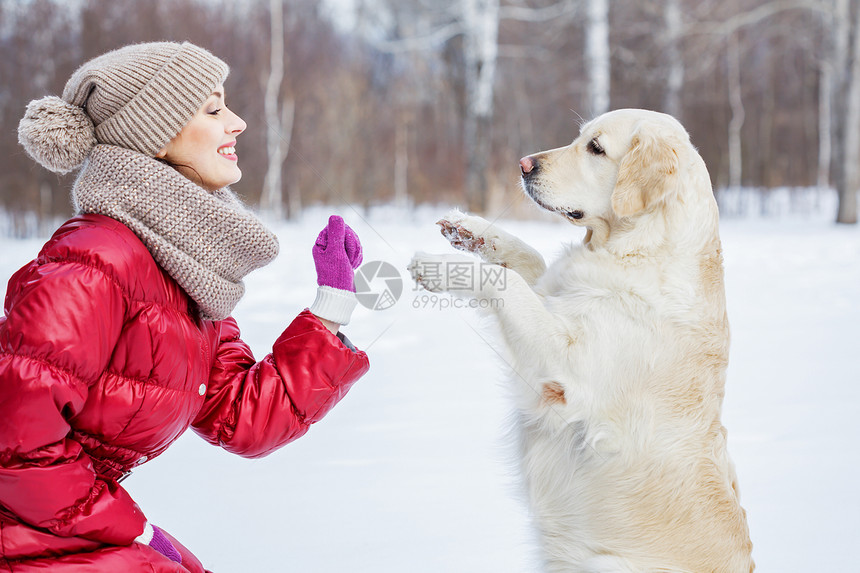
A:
[234,176]
[214,184]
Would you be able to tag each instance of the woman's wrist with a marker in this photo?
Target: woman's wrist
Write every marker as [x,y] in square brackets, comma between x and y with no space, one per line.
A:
[332,326]
[334,305]
[147,534]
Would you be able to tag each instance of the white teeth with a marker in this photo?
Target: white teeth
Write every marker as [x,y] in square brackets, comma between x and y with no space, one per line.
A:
[227,150]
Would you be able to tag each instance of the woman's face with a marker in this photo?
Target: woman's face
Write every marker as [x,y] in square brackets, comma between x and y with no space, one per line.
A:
[204,151]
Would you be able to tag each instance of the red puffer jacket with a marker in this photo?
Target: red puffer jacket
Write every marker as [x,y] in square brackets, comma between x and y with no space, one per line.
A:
[103,364]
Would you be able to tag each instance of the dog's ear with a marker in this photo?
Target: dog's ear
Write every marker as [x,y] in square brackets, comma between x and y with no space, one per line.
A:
[648,171]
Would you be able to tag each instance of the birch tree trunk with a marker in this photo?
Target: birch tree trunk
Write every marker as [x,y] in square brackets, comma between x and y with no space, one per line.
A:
[597,56]
[272,200]
[481,28]
[401,161]
[675,79]
[738,114]
[847,212]
[288,116]
[825,121]
[826,93]
[838,64]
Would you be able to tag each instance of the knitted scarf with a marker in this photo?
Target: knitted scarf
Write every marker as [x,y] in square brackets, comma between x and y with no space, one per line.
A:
[206,241]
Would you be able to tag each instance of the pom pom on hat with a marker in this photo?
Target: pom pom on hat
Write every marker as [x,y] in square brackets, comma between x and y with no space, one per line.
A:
[57,134]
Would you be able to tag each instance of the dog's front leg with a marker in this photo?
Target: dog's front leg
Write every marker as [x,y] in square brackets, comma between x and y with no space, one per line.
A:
[526,324]
[539,343]
[494,245]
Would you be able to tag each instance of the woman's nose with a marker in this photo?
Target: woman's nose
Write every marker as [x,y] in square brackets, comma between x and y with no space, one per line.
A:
[236,125]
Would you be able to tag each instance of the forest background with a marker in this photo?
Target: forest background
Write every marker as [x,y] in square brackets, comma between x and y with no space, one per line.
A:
[369,102]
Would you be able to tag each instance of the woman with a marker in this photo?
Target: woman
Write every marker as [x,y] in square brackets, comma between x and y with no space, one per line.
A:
[118,336]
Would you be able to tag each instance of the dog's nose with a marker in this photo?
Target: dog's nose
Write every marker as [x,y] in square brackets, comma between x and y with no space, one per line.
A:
[528,164]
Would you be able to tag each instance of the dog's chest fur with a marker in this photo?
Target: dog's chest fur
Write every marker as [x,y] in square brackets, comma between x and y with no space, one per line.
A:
[638,389]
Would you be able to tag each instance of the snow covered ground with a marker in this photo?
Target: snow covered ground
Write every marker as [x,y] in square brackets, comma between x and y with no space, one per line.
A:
[413,470]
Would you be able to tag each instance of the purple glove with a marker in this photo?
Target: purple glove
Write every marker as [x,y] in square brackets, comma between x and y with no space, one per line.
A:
[160,543]
[337,253]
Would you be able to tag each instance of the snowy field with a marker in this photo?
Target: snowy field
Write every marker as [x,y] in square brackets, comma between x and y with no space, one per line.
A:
[413,470]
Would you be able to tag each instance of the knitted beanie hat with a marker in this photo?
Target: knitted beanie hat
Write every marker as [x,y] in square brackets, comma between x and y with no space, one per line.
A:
[138,97]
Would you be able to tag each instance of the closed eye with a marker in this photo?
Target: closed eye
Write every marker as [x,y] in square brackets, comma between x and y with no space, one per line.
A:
[595,148]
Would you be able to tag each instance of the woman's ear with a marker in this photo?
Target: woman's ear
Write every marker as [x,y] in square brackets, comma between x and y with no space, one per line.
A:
[647,172]
[162,153]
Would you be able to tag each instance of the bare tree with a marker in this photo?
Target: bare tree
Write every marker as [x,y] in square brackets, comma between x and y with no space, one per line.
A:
[481,48]
[738,113]
[828,77]
[675,61]
[840,79]
[850,181]
[279,117]
[597,56]
[401,160]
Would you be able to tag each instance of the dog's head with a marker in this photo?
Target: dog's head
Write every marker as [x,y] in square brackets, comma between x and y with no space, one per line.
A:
[624,164]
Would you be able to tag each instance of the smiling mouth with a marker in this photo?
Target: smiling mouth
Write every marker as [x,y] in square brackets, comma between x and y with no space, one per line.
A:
[228,151]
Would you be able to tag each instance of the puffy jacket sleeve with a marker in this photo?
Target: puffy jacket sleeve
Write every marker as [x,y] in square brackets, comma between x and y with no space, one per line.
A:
[252,408]
[62,320]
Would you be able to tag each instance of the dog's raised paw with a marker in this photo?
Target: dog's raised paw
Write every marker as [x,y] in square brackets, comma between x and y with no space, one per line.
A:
[442,273]
[460,230]
[460,237]
[425,271]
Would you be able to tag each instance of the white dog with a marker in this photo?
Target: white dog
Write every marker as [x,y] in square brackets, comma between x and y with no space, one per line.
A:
[619,351]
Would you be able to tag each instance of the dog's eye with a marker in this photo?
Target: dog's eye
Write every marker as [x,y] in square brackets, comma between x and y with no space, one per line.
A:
[595,148]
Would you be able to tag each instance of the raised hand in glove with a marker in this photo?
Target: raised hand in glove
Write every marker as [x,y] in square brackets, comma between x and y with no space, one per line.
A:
[337,253]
